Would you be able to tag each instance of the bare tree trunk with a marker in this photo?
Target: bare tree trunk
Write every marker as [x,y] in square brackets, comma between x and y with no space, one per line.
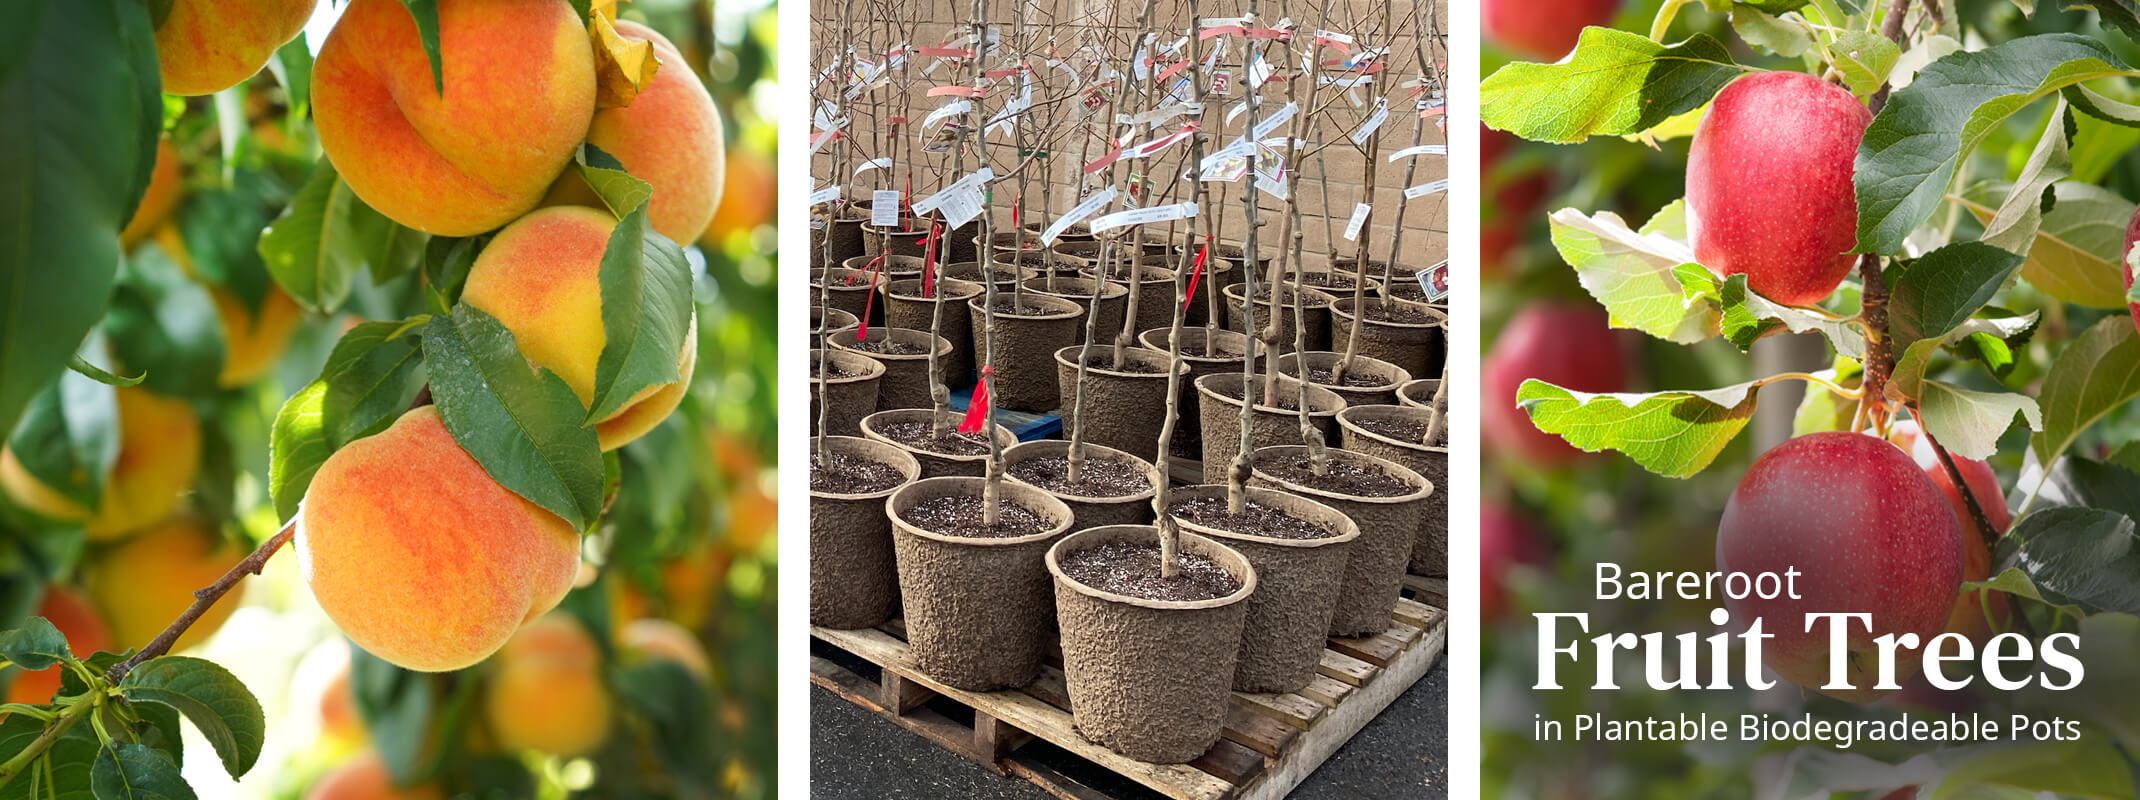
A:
[1237,477]
[1359,256]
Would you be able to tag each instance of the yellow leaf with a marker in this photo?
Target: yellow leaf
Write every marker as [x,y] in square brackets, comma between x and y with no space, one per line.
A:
[603,8]
[622,66]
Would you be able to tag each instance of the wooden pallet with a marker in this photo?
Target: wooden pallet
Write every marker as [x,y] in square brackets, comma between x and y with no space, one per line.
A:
[1270,744]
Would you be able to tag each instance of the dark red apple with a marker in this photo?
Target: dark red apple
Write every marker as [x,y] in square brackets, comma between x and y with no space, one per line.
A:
[1505,540]
[1513,195]
[1769,184]
[2132,234]
[1867,532]
[1542,31]
[1968,616]
[1567,345]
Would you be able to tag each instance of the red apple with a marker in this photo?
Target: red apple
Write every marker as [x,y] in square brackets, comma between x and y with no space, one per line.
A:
[2132,234]
[1866,531]
[1505,540]
[1514,195]
[1968,615]
[1543,31]
[1566,345]
[1768,184]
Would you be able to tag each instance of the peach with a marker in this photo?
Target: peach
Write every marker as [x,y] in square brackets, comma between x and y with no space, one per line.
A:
[669,136]
[546,691]
[749,176]
[541,277]
[159,200]
[519,97]
[252,341]
[365,778]
[77,620]
[206,46]
[419,557]
[662,640]
[144,583]
[159,452]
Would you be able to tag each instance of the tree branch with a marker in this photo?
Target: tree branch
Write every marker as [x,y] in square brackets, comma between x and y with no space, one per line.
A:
[202,601]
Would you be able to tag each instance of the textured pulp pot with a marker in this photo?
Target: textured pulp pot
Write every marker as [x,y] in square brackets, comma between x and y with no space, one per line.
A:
[849,292]
[1007,276]
[1385,376]
[1336,283]
[1297,586]
[1217,276]
[1229,253]
[956,244]
[893,268]
[906,375]
[1418,393]
[1430,554]
[1123,409]
[1149,678]
[933,465]
[906,307]
[1416,346]
[978,610]
[1314,314]
[1041,263]
[1219,404]
[844,239]
[853,581]
[1114,302]
[839,321]
[1024,344]
[903,239]
[1154,290]
[846,400]
[1223,356]
[1388,528]
[1090,511]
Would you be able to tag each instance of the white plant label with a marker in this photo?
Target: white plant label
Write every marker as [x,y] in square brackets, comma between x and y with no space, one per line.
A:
[948,110]
[971,182]
[825,195]
[1235,149]
[1274,188]
[884,208]
[875,163]
[1374,121]
[1083,209]
[962,207]
[1421,150]
[1277,118]
[1425,189]
[1144,215]
[1358,221]
[1258,72]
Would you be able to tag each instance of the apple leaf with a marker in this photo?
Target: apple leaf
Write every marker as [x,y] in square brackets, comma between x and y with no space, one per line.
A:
[1615,83]
[1865,59]
[2078,556]
[2020,215]
[2122,15]
[1940,291]
[2085,483]
[2098,372]
[1969,422]
[1991,341]
[2074,253]
[1789,36]
[1674,434]
[1910,152]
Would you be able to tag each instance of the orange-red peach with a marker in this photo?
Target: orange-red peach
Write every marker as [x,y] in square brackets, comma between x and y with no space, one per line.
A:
[541,277]
[663,640]
[546,691]
[159,452]
[77,620]
[158,200]
[206,46]
[519,97]
[144,583]
[419,556]
[252,341]
[669,136]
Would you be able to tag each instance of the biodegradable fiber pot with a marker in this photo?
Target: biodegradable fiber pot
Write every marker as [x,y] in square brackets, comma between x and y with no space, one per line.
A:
[839,321]
[933,464]
[978,610]
[1296,587]
[847,398]
[906,307]
[1417,345]
[1418,393]
[905,356]
[1007,275]
[853,581]
[1370,381]
[1149,679]
[849,291]
[1430,554]
[894,267]
[1114,301]
[1224,355]
[902,239]
[845,241]
[1219,403]
[1388,527]
[1025,342]
[1124,408]
[1314,313]
[1155,290]
[1090,511]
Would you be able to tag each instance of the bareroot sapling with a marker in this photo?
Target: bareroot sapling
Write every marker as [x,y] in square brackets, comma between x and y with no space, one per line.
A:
[1805,213]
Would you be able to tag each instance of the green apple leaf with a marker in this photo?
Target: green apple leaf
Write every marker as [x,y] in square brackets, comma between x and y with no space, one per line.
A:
[215,701]
[2099,371]
[1865,59]
[1615,83]
[1991,341]
[2020,215]
[1674,434]
[2078,556]
[1789,36]
[127,771]
[1969,422]
[2074,255]
[1940,291]
[521,422]
[2120,15]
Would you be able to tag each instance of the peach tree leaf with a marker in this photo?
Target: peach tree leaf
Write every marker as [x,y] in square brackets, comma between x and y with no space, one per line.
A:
[215,701]
[521,422]
[1674,434]
[1615,83]
[128,771]
[425,12]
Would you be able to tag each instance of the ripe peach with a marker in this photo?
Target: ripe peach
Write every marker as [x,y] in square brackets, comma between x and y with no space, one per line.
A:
[1769,190]
[419,557]
[667,641]
[144,583]
[519,96]
[1563,344]
[206,46]
[1968,615]
[670,136]
[365,778]
[1541,31]
[546,691]
[253,341]
[1867,532]
[159,452]
[76,619]
[157,202]
[541,277]
[747,176]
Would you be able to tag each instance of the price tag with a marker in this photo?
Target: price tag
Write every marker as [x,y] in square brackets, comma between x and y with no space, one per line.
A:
[884,208]
[1421,150]
[1277,118]
[1358,221]
[1425,189]
[825,195]
[1144,215]
[1084,209]
[1367,129]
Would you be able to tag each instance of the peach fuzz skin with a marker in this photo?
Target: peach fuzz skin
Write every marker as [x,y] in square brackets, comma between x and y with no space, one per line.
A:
[206,46]
[518,101]
[670,136]
[159,452]
[77,620]
[541,277]
[419,557]
[365,778]
[546,691]
[148,580]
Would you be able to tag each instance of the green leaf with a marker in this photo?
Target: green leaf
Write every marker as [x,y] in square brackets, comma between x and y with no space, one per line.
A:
[2121,15]
[2074,257]
[609,180]
[2098,372]
[2085,483]
[1989,340]
[399,707]
[34,646]
[82,367]
[215,701]
[221,229]
[389,248]
[446,263]
[1940,291]
[2078,556]
[84,112]
[292,65]
[297,447]
[68,761]
[1969,422]
[312,249]
[1615,83]
[646,310]
[1910,152]
[2014,227]
[1865,59]
[425,12]
[1789,37]
[1674,434]
[161,318]
[68,438]
[521,422]
[672,701]
[126,771]
[372,376]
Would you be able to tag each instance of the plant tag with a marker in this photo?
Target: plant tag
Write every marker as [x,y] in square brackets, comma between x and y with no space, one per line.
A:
[1083,209]
[1144,215]
[1358,221]
[825,195]
[969,183]
[1425,189]
[884,208]
[875,163]
[1374,121]
[1277,118]
[1421,150]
